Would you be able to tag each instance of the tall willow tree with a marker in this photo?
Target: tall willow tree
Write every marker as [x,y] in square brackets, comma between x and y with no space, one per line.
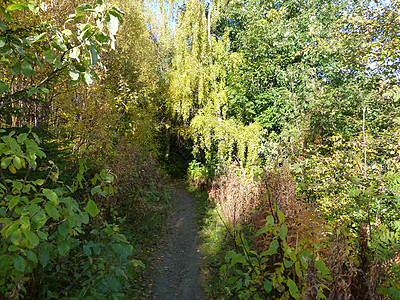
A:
[198,87]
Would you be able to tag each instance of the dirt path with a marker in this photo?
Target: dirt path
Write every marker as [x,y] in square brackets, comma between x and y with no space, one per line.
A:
[178,263]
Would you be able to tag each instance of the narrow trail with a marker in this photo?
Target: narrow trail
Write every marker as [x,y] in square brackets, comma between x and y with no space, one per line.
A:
[177,273]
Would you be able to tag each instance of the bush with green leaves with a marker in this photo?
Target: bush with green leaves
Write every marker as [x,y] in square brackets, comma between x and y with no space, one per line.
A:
[280,272]
[52,244]
[34,54]
[200,175]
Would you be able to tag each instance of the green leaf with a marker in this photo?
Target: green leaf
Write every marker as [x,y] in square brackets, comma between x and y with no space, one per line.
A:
[238,258]
[42,235]
[287,263]
[293,289]
[52,210]
[130,270]
[269,220]
[50,56]
[118,14]
[74,53]
[84,8]
[14,145]
[25,223]
[15,68]
[95,190]
[40,219]
[32,238]
[13,202]
[267,286]
[13,248]
[84,217]
[22,137]
[91,208]
[17,238]
[76,17]
[321,266]
[33,7]
[63,247]
[33,209]
[93,54]
[19,263]
[74,75]
[87,250]
[112,23]
[52,196]
[63,229]
[245,295]
[113,284]
[88,78]
[4,261]
[60,46]
[44,90]
[19,49]
[297,267]
[6,15]
[44,256]
[101,38]
[3,41]
[6,50]
[118,11]
[273,247]
[138,263]
[281,217]
[86,32]
[2,26]
[79,68]
[3,88]
[10,230]
[118,249]
[17,185]
[17,6]
[31,256]
[283,230]
[17,162]
[27,69]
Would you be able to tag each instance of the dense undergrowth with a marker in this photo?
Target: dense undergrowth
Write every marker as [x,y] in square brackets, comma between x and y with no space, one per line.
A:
[261,239]
[82,196]
[79,240]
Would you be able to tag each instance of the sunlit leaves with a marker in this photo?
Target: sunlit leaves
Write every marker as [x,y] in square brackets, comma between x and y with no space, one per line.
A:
[17,6]
[76,52]
[3,41]
[92,209]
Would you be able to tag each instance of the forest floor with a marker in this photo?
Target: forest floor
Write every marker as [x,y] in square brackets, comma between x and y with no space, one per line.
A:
[177,273]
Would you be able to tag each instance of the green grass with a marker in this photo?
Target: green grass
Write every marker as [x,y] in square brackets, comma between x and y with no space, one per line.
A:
[215,242]
[216,239]
[144,233]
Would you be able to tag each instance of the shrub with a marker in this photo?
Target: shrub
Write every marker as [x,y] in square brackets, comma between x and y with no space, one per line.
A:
[52,244]
[200,176]
[298,253]
[137,178]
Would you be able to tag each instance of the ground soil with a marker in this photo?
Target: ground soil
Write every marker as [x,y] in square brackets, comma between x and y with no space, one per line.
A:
[177,272]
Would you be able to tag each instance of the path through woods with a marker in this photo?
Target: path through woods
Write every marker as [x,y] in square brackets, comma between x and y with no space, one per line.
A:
[178,262]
